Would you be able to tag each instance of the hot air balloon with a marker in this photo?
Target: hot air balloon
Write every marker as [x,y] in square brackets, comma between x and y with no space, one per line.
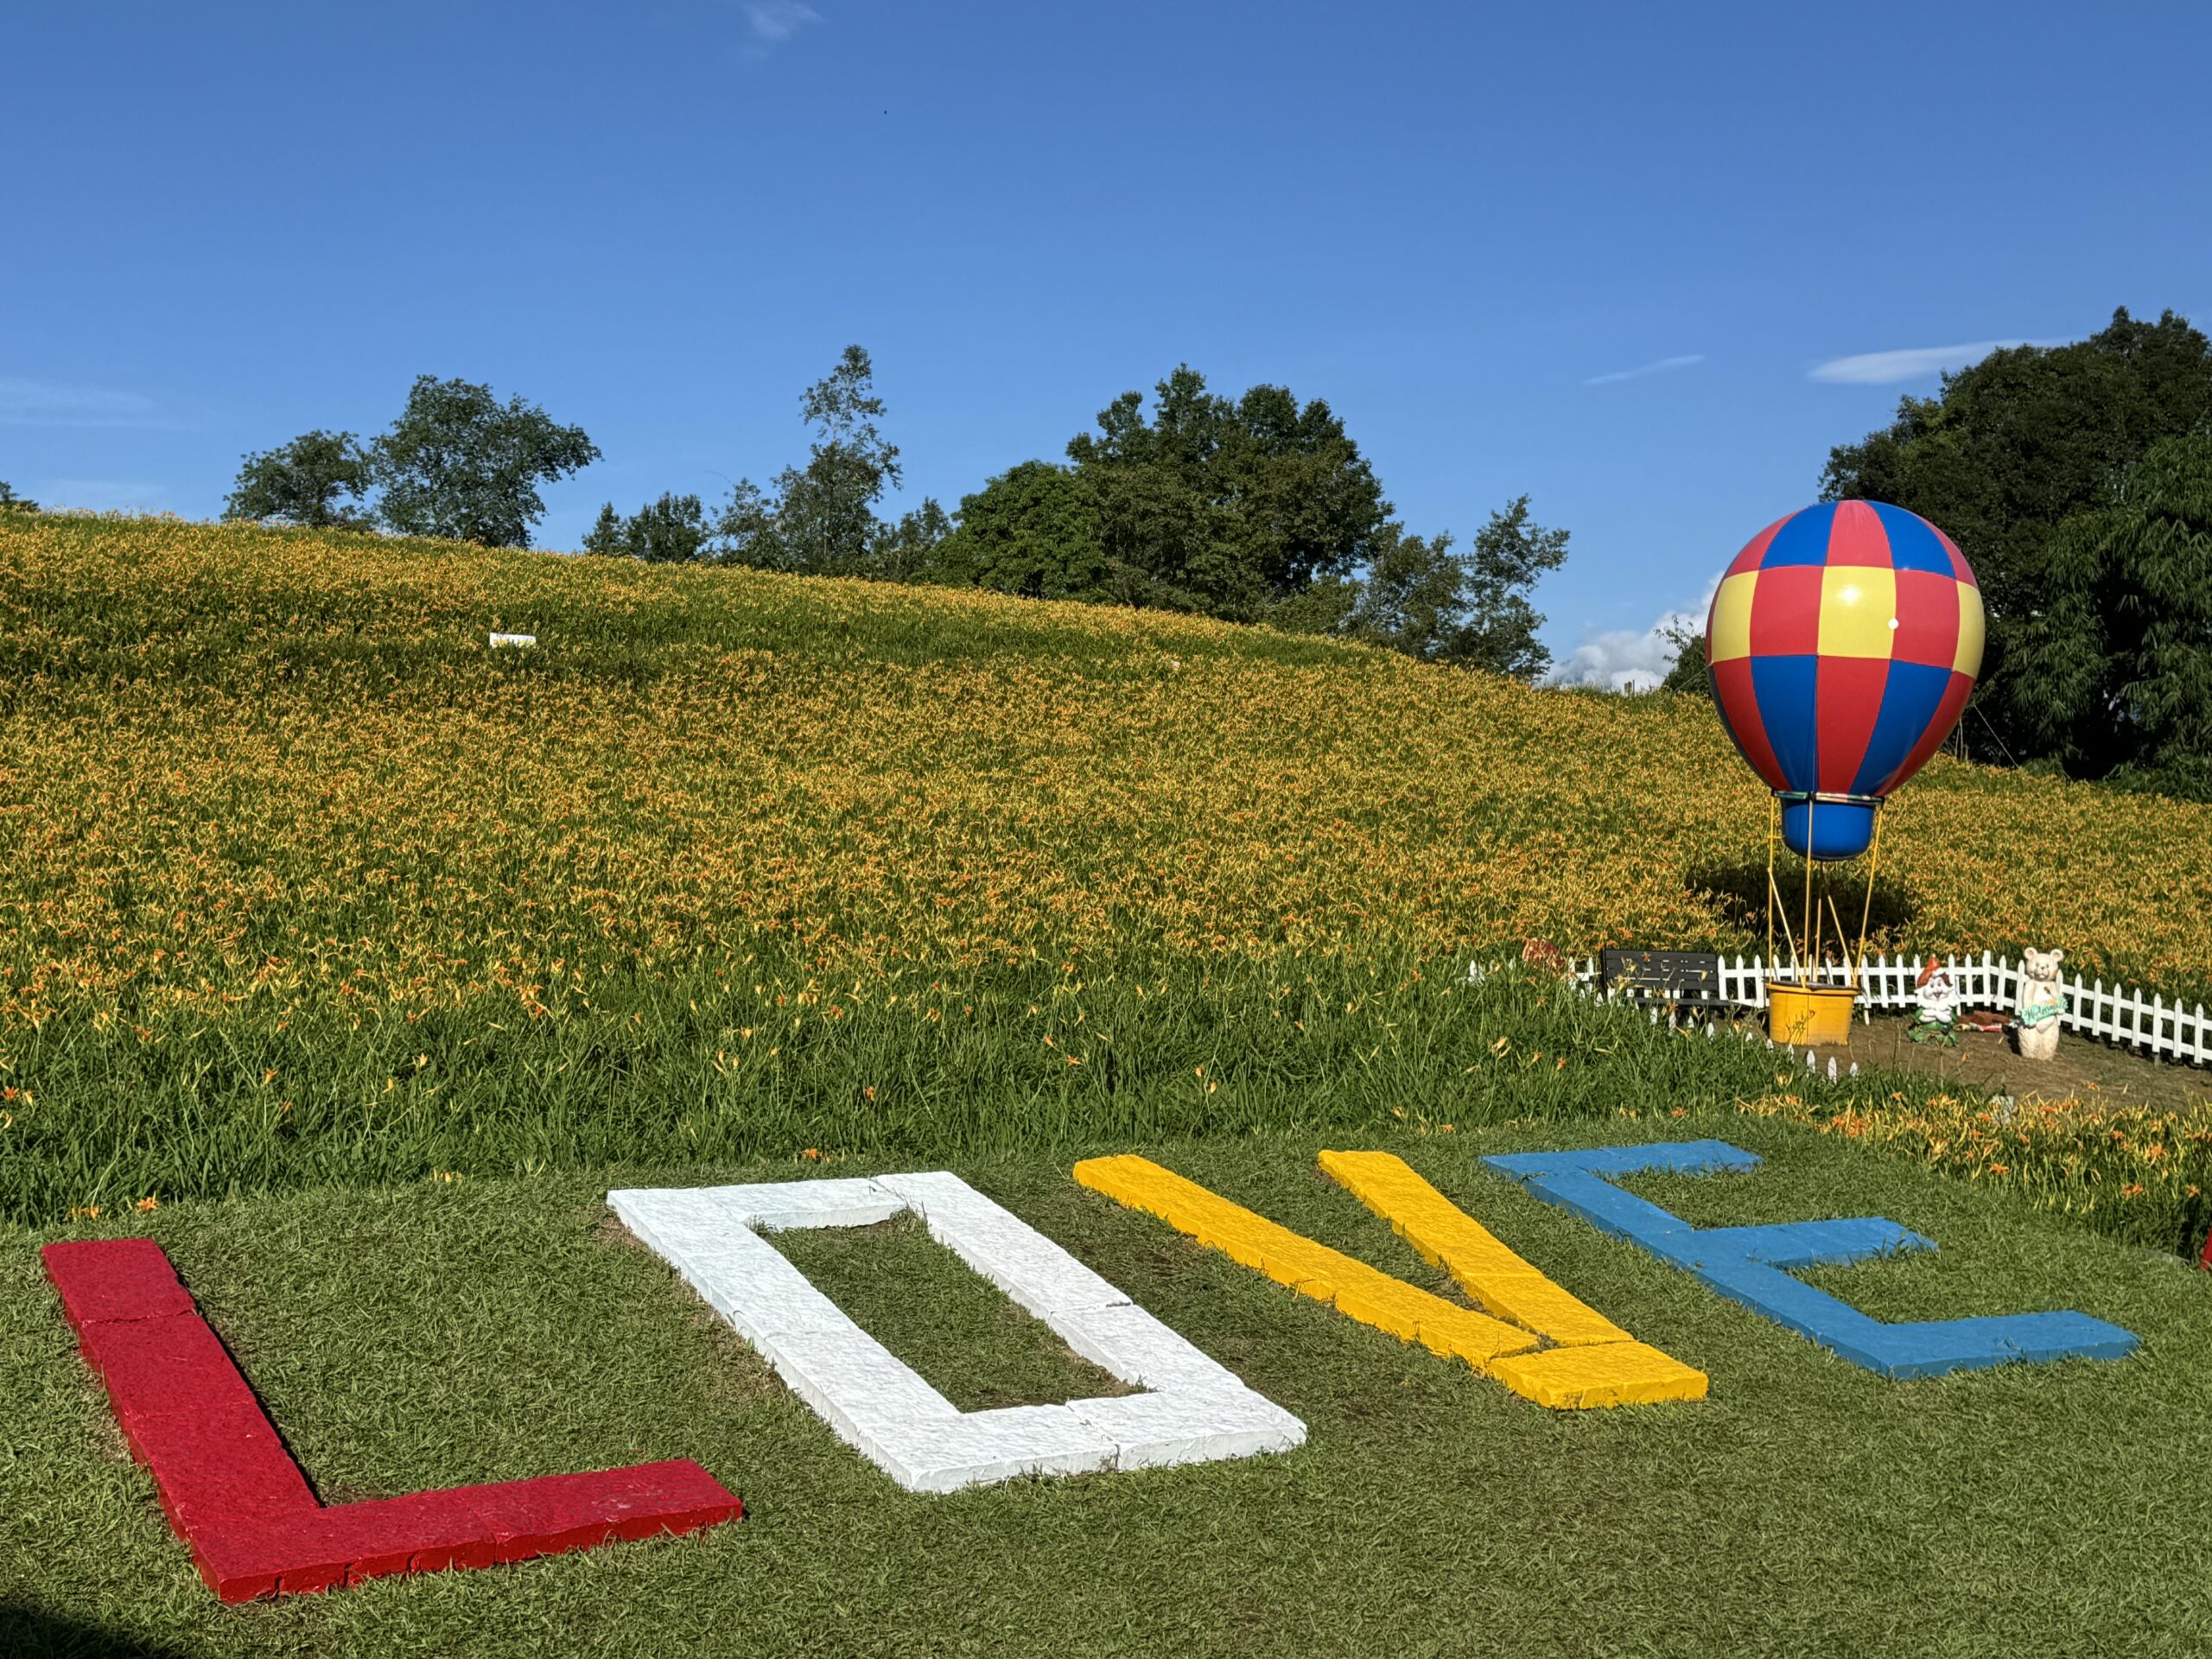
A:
[1843,643]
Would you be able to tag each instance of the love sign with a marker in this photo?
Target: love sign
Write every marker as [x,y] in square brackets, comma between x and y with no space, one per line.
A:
[245,1510]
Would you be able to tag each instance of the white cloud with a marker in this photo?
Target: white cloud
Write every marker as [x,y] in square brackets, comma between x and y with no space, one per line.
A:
[100,495]
[1664,365]
[1628,657]
[1917,363]
[777,20]
[46,403]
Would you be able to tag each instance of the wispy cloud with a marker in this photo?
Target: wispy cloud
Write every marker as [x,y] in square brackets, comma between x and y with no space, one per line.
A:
[1915,363]
[1664,365]
[1629,659]
[46,403]
[775,22]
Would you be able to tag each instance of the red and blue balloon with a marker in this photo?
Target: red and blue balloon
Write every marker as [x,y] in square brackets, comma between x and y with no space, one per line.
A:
[1843,643]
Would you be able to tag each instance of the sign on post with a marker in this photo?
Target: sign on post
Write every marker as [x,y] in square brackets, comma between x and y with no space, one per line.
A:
[1680,979]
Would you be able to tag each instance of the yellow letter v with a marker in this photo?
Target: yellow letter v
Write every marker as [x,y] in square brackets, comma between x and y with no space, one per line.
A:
[1549,1347]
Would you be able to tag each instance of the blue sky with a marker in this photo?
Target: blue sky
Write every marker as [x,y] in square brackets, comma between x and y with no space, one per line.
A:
[1646,264]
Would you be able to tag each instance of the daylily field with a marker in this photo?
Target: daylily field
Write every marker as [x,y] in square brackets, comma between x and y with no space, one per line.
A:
[254,774]
[299,880]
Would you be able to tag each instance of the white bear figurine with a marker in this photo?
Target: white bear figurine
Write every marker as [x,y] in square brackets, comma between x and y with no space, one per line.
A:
[2041,1004]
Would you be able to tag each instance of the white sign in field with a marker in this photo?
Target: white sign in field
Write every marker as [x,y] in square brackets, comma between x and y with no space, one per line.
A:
[1191,1410]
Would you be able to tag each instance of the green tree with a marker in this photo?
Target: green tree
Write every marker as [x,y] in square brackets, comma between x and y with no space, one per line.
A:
[668,531]
[460,465]
[1033,531]
[1689,671]
[2113,664]
[307,481]
[1511,553]
[819,519]
[1413,598]
[1226,507]
[1418,597]
[10,502]
[2016,444]
[912,549]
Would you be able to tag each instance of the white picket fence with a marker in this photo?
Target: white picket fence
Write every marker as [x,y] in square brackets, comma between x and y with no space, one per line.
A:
[2116,1014]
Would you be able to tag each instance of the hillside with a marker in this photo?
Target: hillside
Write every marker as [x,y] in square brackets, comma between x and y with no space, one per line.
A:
[280,835]
[241,762]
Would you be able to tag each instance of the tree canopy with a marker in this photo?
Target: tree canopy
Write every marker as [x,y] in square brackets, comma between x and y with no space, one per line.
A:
[2112,663]
[1687,670]
[1418,597]
[1226,507]
[1033,531]
[459,464]
[819,519]
[2013,447]
[666,532]
[1255,508]
[307,481]
[1259,508]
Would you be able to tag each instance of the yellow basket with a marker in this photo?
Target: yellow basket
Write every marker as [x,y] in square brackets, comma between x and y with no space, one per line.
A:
[1813,1016]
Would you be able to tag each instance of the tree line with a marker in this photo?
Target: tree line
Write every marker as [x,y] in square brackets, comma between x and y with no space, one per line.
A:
[2077,478]
[1256,509]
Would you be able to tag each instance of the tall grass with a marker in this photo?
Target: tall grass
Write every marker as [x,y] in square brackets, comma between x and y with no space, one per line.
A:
[2140,1172]
[903,1062]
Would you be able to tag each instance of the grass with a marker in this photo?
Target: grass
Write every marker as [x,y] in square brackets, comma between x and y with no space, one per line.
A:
[367,960]
[908,1064]
[972,1345]
[474,1331]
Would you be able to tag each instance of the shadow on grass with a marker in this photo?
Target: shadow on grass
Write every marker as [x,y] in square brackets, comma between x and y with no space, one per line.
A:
[26,1633]
[1736,893]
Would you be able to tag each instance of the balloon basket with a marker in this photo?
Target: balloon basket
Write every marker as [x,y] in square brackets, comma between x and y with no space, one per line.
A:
[1809,1004]
[1810,1016]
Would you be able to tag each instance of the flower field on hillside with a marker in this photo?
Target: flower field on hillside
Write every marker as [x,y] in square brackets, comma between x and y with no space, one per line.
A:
[301,882]
[245,769]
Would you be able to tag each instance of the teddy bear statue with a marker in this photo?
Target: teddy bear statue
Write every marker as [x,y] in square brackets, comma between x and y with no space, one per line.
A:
[1936,1006]
[2041,1004]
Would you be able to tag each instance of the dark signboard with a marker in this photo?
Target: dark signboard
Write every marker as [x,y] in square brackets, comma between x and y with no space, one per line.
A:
[1682,979]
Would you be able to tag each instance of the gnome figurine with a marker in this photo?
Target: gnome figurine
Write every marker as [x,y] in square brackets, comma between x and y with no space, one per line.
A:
[1937,1015]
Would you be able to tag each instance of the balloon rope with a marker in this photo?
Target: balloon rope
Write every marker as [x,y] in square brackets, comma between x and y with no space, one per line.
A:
[1840,936]
[1773,895]
[1812,929]
[1867,911]
[1776,907]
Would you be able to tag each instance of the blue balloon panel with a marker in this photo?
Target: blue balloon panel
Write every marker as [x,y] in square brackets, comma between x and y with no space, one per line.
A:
[1827,829]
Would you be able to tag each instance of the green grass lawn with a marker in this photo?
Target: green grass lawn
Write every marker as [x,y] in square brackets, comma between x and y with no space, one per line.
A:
[438,1333]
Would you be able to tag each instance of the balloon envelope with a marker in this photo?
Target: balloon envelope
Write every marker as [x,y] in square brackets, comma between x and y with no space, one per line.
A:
[1843,641]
